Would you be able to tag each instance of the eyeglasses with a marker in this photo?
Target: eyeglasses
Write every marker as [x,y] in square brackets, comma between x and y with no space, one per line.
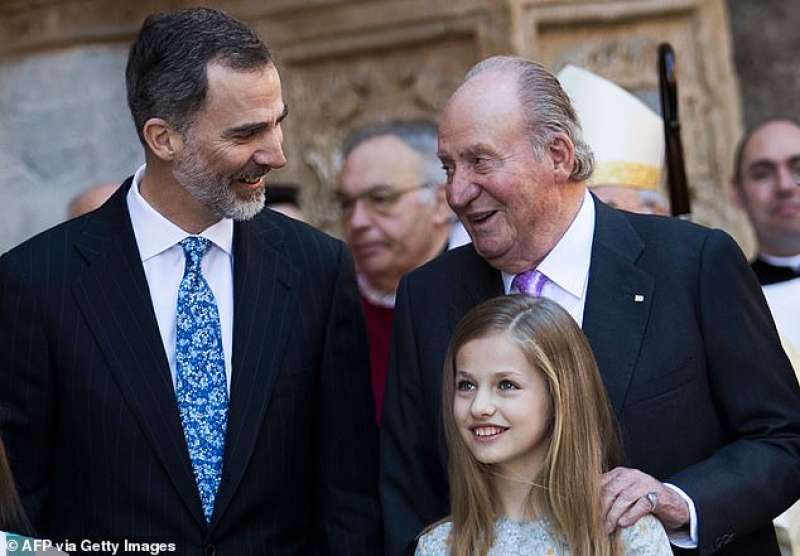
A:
[380,199]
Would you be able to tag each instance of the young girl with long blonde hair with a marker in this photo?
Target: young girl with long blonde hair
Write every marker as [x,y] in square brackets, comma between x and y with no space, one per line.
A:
[529,432]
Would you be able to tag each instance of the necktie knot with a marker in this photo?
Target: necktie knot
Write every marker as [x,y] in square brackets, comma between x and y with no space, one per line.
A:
[194,247]
[529,282]
[201,382]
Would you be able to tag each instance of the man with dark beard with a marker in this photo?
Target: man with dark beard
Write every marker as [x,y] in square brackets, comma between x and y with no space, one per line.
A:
[179,366]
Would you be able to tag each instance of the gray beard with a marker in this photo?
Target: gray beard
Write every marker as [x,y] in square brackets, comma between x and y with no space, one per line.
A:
[215,191]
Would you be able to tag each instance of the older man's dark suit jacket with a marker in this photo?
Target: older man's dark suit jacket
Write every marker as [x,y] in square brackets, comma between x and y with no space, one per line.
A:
[704,394]
[88,410]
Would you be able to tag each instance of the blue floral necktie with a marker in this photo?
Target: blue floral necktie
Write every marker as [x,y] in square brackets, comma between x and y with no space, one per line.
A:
[201,386]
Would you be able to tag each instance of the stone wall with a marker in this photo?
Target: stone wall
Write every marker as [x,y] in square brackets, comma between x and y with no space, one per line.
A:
[64,123]
[766,45]
[64,126]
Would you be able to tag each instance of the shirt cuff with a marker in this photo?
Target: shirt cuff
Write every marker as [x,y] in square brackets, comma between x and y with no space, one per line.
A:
[681,537]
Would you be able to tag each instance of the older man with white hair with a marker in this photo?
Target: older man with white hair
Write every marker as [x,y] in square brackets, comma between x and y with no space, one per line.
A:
[707,402]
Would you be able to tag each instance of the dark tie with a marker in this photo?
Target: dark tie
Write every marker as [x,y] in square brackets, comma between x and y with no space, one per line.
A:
[201,386]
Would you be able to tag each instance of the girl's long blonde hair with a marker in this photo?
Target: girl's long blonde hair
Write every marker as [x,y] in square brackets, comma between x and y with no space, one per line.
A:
[12,516]
[583,443]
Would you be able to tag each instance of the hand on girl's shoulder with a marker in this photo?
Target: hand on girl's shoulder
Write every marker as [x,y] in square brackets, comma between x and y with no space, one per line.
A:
[646,537]
[434,542]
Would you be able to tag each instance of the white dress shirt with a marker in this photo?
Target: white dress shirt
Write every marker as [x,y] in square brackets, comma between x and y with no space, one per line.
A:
[783,299]
[164,262]
[566,267]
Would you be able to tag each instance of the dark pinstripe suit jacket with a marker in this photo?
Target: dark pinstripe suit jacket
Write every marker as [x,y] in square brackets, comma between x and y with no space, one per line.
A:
[88,411]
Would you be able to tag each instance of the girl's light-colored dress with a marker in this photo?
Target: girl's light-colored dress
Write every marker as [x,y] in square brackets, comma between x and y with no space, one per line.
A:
[533,538]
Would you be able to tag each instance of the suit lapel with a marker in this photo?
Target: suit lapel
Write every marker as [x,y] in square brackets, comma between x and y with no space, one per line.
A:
[264,310]
[618,301]
[113,295]
[479,282]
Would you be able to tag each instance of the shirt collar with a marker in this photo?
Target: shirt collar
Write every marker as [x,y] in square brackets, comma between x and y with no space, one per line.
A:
[155,233]
[792,262]
[567,264]
[374,296]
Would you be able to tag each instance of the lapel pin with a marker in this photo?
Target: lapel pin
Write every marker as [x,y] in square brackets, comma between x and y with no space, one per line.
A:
[638,298]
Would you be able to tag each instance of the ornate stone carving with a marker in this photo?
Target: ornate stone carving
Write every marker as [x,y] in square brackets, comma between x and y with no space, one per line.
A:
[344,94]
[348,63]
[630,60]
[625,51]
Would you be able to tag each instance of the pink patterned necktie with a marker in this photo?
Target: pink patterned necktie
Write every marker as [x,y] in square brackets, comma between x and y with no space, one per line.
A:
[529,282]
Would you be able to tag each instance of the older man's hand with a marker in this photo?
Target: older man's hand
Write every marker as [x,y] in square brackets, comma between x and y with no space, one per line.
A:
[624,498]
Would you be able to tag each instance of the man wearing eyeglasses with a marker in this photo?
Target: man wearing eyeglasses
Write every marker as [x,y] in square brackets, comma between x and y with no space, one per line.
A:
[394,217]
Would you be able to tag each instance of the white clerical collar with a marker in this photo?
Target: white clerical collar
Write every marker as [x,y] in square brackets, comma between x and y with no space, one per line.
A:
[792,262]
[155,233]
[374,296]
[567,264]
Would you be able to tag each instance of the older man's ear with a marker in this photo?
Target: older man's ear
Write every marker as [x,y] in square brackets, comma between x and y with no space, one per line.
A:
[562,153]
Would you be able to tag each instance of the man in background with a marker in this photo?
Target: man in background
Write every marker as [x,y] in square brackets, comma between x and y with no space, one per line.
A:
[394,217]
[90,199]
[182,367]
[766,185]
[626,138]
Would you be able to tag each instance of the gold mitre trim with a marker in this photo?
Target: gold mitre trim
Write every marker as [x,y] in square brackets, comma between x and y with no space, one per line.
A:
[629,174]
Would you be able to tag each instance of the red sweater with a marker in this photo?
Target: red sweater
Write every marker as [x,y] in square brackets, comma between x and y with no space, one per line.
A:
[379,334]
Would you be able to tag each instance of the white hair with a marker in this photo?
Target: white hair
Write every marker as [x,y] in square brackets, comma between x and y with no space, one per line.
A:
[547,108]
